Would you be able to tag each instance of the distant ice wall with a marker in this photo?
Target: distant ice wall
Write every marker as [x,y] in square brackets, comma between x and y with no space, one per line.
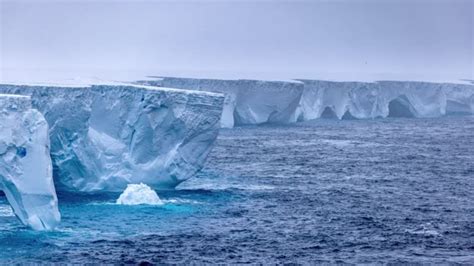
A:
[247,102]
[361,100]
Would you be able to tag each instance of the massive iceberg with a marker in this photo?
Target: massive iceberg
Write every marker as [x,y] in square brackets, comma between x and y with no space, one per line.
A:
[25,166]
[247,102]
[257,102]
[349,100]
[104,137]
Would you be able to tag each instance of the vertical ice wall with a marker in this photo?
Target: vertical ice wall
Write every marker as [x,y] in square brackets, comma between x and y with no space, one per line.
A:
[459,99]
[157,136]
[25,165]
[247,102]
[345,100]
[104,137]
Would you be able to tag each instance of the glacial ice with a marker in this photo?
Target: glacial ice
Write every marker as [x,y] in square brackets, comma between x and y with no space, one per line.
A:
[247,102]
[256,102]
[346,100]
[137,194]
[104,137]
[25,166]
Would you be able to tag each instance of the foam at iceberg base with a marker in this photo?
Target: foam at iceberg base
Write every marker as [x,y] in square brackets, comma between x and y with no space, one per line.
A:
[137,194]
[25,165]
[106,136]
[247,102]
[348,100]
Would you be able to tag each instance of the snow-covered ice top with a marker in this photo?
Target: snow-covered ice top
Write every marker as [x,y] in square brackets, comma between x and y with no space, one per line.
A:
[25,165]
[247,101]
[104,137]
[137,194]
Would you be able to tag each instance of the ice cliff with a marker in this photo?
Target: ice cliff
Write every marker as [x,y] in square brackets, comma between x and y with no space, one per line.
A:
[247,102]
[104,137]
[25,166]
[257,102]
[349,100]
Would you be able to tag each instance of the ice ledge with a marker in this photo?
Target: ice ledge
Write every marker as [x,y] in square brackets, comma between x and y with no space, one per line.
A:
[89,83]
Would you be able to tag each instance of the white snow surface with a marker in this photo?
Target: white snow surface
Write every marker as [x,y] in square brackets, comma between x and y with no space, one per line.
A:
[25,166]
[104,137]
[138,194]
[247,102]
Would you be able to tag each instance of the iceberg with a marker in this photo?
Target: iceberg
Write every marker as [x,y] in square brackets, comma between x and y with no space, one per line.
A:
[105,136]
[138,194]
[381,99]
[247,102]
[25,166]
[459,99]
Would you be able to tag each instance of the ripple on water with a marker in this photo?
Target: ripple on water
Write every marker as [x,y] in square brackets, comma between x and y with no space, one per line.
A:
[393,191]
[6,211]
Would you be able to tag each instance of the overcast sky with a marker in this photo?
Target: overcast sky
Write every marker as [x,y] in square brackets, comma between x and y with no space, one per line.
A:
[289,39]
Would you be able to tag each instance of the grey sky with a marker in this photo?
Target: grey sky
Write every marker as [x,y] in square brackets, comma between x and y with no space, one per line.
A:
[290,39]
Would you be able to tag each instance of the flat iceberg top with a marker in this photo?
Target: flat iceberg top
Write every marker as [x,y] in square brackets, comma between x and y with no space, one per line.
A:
[315,81]
[20,97]
[89,83]
[174,90]
[158,78]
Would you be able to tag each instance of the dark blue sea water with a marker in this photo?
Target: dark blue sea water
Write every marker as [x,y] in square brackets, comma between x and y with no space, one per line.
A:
[393,190]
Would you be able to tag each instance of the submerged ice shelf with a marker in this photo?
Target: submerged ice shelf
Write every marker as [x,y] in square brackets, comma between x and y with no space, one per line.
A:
[25,166]
[104,137]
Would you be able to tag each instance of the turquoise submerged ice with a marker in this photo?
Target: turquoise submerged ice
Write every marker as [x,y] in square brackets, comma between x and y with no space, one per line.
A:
[26,175]
[104,137]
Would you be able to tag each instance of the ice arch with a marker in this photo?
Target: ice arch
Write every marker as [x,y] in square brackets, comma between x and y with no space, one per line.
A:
[348,116]
[328,113]
[401,107]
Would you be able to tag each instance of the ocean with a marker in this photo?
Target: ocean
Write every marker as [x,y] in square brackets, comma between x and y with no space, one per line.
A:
[393,190]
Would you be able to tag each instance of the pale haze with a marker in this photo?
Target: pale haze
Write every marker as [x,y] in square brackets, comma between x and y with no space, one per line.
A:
[426,40]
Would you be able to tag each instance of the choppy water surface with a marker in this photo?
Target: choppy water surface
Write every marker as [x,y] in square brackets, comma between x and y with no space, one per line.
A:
[394,190]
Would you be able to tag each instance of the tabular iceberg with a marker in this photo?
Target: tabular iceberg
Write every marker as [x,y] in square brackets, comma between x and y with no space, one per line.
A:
[348,100]
[104,137]
[25,165]
[247,102]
